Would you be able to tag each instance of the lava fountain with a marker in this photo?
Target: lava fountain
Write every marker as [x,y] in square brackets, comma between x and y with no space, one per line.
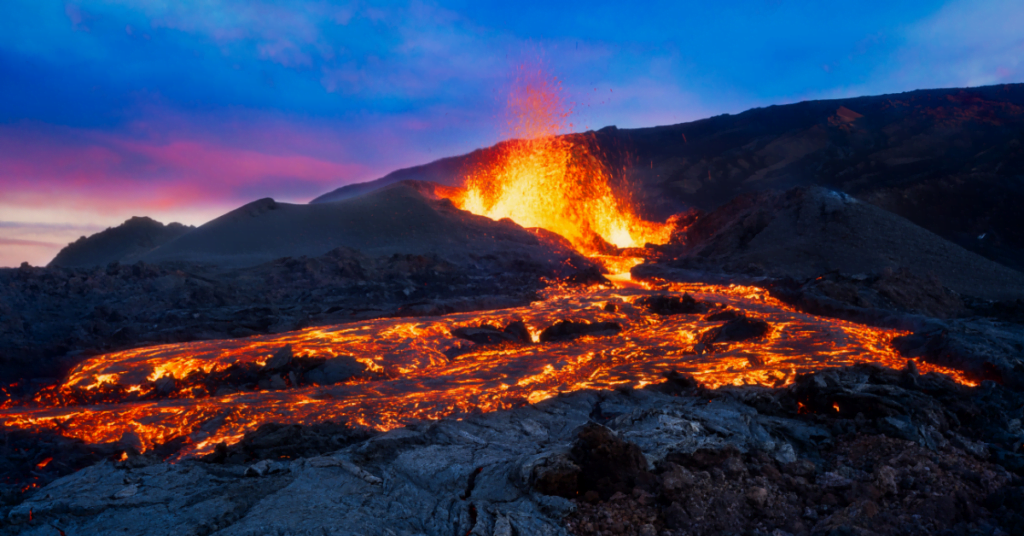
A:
[540,178]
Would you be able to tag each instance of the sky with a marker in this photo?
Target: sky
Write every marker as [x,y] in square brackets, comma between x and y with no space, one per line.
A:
[184,109]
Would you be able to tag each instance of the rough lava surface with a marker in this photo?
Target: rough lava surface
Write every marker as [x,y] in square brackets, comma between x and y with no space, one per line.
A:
[858,449]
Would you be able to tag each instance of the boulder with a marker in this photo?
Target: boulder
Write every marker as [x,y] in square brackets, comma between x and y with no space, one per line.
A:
[672,305]
[336,370]
[738,329]
[568,330]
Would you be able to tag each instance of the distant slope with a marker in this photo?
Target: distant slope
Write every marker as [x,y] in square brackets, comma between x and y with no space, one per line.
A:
[446,171]
[392,220]
[949,160]
[806,232]
[132,238]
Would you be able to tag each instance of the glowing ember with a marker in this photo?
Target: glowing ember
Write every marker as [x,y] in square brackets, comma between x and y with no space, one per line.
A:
[414,374]
[559,183]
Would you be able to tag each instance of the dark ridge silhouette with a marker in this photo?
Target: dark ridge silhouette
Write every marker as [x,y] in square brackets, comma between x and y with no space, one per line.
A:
[399,219]
[133,238]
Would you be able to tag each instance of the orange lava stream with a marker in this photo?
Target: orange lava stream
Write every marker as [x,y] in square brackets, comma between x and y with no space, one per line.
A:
[559,183]
[418,381]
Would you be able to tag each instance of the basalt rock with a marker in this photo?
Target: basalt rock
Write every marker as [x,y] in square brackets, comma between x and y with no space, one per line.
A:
[985,349]
[690,459]
[607,463]
[567,330]
[673,305]
[514,332]
[738,329]
[518,330]
[484,335]
[335,370]
[280,359]
[724,314]
[280,441]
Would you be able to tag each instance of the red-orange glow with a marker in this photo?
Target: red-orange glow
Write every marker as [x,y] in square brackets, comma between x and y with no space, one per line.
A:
[414,379]
[558,183]
[44,463]
[835,406]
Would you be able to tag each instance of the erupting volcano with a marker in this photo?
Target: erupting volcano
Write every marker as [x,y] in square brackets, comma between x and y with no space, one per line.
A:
[543,178]
[522,333]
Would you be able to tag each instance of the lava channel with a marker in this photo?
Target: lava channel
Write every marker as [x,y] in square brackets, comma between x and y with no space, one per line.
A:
[416,369]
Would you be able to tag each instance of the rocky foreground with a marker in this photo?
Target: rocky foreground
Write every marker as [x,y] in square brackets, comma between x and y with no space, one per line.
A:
[862,450]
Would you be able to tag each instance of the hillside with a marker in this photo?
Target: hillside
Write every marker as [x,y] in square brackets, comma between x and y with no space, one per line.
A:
[134,237]
[949,160]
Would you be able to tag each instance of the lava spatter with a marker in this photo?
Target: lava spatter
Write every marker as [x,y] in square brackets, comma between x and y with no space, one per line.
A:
[541,178]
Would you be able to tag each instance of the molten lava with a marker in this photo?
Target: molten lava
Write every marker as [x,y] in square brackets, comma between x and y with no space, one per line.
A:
[417,369]
[558,183]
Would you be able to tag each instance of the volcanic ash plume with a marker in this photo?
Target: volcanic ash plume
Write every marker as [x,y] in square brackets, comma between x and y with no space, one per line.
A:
[559,183]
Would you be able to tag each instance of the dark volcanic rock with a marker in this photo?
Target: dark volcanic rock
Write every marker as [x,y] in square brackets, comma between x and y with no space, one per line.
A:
[518,330]
[856,296]
[982,348]
[738,329]
[587,277]
[484,335]
[804,233]
[277,441]
[905,454]
[124,243]
[336,370]
[607,463]
[397,220]
[30,461]
[672,305]
[514,332]
[280,359]
[567,330]
[726,314]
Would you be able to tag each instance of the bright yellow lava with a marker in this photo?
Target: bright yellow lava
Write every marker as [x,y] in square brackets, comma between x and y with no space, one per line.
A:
[558,183]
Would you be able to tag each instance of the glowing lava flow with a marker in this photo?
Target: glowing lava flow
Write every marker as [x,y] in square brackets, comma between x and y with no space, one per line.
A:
[417,375]
[559,183]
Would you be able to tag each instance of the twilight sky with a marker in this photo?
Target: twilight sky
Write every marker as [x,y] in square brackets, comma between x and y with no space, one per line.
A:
[184,109]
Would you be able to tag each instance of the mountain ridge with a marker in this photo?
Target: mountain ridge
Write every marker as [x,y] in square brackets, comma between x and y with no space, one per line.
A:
[950,160]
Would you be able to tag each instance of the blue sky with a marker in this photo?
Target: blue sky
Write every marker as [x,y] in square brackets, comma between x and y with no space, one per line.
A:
[184,109]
